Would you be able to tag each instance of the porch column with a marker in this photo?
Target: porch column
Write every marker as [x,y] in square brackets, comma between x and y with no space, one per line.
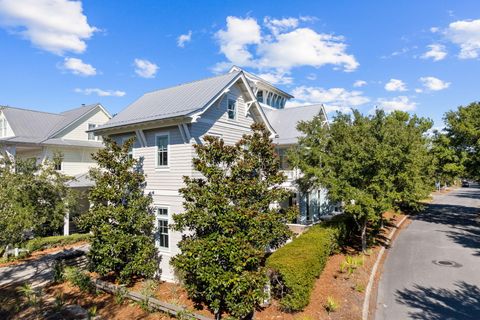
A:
[66,224]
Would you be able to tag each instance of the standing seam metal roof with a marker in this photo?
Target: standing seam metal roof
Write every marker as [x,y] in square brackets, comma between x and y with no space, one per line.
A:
[172,102]
[284,121]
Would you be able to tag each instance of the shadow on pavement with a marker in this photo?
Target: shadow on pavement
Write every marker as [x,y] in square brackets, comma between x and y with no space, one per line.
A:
[464,221]
[439,304]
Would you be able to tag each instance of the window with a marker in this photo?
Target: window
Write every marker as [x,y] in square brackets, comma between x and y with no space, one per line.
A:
[232,109]
[162,227]
[91,126]
[260,96]
[282,154]
[162,150]
[57,163]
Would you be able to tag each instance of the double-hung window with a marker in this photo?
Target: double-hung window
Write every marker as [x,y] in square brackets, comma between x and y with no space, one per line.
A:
[162,150]
[232,109]
[91,126]
[162,227]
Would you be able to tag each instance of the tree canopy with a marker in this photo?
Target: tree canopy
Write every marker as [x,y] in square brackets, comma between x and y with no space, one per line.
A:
[369,164]
[34,199]
[230,222]
[120,217]
[463,130]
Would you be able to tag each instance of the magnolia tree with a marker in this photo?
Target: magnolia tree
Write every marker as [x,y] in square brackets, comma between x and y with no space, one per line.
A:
[368,163]
[230,223]
[34,199]
[120,218]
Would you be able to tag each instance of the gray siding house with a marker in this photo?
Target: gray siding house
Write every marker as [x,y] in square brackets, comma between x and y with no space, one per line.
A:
[168,122]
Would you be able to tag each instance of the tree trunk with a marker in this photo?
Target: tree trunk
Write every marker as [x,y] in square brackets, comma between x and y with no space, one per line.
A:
[218,315]
[364,236]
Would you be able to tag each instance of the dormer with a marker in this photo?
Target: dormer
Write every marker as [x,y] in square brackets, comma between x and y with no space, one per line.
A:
[266,93]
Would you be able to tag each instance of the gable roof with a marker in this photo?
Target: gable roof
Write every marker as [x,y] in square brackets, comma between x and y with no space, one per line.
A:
[178,101]
[38,126]
[285,121]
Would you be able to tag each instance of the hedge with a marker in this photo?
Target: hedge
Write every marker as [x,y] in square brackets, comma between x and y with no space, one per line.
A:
[54,241]
[295,267]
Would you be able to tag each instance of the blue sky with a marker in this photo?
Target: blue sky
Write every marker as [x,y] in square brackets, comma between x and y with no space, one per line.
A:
[418,56]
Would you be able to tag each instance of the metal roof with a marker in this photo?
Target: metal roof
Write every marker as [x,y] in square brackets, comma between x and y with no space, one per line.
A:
[177,101]
[37,126]
[285,121]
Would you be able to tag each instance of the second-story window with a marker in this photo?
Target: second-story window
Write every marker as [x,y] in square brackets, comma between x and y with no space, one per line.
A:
[57,163]
[162,150]
[91,126]
[260,96]
[3,127]
[232,109]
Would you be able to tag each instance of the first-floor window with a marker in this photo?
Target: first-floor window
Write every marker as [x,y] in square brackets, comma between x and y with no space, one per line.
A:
[162,227]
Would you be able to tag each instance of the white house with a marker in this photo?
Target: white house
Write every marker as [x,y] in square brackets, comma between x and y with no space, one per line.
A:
[168,122]
[35,134]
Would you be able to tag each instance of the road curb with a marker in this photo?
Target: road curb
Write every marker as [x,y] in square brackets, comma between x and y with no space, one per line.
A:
[371,279]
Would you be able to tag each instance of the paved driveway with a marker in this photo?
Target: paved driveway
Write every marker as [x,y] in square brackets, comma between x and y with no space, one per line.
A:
[432,270]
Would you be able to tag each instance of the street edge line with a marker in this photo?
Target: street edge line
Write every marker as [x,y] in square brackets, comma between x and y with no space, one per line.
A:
[371,279]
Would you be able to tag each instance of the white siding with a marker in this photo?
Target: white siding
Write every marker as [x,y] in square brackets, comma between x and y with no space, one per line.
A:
[10,132]
[78,132]
[75,161]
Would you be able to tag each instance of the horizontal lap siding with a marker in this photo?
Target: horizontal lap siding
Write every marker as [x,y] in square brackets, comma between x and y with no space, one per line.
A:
[79,132]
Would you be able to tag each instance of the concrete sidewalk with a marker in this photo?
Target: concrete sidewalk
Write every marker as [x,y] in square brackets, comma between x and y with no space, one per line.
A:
[432,270]
[37,272]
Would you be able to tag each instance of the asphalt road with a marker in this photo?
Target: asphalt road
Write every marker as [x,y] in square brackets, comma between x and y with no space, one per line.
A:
[432,270]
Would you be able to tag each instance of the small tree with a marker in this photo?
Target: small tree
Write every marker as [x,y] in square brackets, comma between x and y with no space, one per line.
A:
[34,199]
[230,223]
[120,216]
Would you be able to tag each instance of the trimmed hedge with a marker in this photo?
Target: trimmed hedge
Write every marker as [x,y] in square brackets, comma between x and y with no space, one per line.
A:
[54,241]
[295,267]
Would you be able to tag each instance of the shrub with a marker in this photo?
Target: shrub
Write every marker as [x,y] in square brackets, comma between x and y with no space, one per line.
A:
[80,279]
[330,305]
[295,266]
[54,241]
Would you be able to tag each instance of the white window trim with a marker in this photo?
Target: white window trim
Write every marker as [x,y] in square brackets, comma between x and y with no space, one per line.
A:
[95,138]
[235,119]
[167,167]
[167,217]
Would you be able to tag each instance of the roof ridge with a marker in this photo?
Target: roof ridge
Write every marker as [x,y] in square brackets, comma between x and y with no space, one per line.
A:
[305,106]
[30,110]
[191,82]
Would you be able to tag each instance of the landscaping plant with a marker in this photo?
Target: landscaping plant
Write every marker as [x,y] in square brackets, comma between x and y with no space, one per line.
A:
[230,223]
[120,218]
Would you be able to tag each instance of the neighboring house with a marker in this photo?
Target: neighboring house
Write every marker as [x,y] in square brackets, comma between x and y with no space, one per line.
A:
[168,122]
[35,134]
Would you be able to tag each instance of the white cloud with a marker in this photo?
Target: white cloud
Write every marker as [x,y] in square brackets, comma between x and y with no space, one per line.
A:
[78,67]
[312,76]
[395,85]
[434,29]
[418,90]
[466,34]
[145,68]
[184,38]
[402,103]
[57,26]
[100,92]
[277,77]
[334,98]
[436,51]
[359,83]
[234,41]
[282,46]
[434,84]
[280,25]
